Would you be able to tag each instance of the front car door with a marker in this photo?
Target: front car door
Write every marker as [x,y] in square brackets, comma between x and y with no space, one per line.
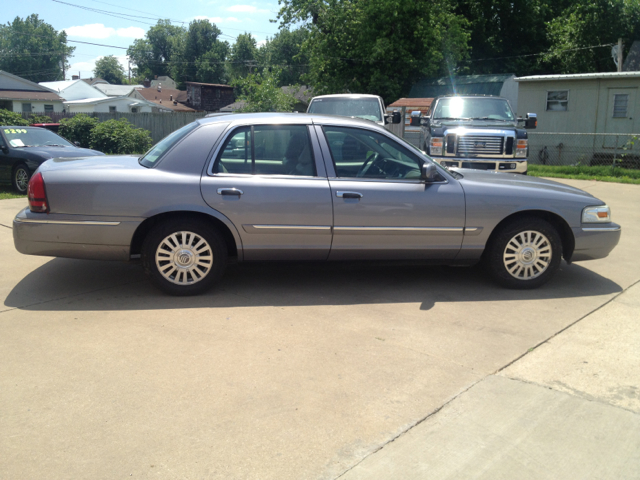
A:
[270,181]
[383,209]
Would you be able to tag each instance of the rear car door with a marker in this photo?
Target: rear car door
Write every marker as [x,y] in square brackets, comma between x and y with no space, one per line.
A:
[270,181]
[382,207]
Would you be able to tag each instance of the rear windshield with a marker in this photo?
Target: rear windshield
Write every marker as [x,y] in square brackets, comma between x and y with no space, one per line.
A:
[367,108]
[159,149]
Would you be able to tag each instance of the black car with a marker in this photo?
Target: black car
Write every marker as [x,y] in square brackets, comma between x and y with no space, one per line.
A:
[23,149]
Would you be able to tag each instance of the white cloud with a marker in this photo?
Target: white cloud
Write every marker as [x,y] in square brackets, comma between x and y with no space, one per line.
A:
[246,9]
[98,30]
[131,32]
[261,43]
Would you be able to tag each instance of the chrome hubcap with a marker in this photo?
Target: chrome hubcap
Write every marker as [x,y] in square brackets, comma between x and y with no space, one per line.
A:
[527,255]
[184,258]
[22,179]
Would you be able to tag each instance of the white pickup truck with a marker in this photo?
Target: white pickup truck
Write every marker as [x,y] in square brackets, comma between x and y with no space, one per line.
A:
[369,107]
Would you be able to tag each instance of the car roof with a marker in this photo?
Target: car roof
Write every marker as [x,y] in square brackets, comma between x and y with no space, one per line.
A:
[288,118]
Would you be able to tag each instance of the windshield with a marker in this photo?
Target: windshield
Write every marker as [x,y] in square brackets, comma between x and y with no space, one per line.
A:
[159,149]
[33,137]
[470,108]
[367,108]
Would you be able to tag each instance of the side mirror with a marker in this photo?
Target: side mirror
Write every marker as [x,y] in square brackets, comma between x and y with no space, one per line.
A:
[396,117]
[425,121]
[415,118]
[76,143]
[4,148]
[530,121]
[429,172]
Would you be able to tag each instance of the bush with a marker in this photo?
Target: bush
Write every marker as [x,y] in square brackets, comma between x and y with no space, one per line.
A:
[33,118]
[119,136]
[12,118]
[78,129]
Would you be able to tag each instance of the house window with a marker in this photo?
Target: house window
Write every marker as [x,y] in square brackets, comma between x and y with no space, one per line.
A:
[26,107]
[557,101]
[134,109]
[620,102]
[48,109]
[112,109]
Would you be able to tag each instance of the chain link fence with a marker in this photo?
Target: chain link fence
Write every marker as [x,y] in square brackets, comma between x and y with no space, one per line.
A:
[621,150]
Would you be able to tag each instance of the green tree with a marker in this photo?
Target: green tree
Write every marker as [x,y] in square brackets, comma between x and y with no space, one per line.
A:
[588,23]
[78,129]
[202,56]
[284,52]
[377,46]
[119,136]
[109,68]
[33,49]
[153,54]
[262,93]
[242,59]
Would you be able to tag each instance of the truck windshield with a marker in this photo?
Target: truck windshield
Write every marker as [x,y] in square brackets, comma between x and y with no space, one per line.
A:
[469,108]
[367,108]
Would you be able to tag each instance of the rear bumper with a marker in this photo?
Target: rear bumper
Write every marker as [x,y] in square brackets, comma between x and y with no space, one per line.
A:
[73,236]
[505,165]
[596,241]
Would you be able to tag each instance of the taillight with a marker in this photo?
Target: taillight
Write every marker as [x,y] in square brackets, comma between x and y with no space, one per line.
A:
[37,194]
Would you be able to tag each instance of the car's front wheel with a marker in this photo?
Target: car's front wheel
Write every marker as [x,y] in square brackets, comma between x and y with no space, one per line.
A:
[184,257]
[20,178]
[524,254]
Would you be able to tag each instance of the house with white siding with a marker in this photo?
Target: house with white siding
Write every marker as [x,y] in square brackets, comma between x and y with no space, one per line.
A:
[20,95]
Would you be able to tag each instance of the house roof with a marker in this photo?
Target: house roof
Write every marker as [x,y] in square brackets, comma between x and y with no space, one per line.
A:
[29,95]
[412,102]
[209,84]
[93,81]
[462,85]
[578,76]
[116,90]
[28,85]
[164,98]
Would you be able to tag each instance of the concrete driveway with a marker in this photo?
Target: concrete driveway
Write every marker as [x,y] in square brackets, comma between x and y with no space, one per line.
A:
[282,372]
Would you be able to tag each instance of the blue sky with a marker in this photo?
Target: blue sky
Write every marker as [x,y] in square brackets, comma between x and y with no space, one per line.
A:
[232,17]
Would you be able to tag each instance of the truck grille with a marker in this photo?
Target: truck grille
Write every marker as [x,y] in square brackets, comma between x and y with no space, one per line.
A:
[479,145]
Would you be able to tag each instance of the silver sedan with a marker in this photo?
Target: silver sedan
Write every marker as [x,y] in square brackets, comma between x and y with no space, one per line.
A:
[259,187]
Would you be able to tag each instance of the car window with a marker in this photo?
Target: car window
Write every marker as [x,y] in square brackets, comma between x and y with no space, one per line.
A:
[159,149]
[267,150]
[367,154]
[33,137]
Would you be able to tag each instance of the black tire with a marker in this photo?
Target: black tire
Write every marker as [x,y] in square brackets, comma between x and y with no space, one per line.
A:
[524,253]
[20,177]
[176,261]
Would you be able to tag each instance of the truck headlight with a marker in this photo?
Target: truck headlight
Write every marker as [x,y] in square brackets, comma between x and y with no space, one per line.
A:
[521,148]
[599,214]
[435,146]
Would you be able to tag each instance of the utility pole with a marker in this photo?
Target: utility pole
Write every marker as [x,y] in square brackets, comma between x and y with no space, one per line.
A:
[64,76]
[619,54]
[129,60]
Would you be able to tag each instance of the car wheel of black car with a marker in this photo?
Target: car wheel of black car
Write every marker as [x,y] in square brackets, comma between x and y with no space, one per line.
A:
[184,257]
[524,254]
[20,178]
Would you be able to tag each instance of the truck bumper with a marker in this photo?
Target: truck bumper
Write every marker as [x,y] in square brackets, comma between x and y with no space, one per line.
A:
[506,165]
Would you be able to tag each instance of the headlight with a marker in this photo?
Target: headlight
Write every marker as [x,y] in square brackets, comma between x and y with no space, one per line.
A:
[600,214]
[521,148]
[435,146]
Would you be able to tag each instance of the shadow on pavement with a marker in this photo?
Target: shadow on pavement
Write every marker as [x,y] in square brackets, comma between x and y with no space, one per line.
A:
[64,284]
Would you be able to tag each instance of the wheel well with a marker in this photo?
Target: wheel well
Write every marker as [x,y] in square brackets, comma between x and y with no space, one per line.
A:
[144,228]
[559,223]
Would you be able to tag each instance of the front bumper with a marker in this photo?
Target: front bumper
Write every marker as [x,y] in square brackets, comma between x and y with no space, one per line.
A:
[595,241]
[73,236]
[505,165]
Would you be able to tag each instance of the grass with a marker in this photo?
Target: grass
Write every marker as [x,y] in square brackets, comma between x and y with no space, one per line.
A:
[7,192]
[583,172]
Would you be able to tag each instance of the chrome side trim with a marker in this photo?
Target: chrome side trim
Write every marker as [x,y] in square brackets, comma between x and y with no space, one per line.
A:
[397,230]
[289,229]
[469,231]
[602,229]
[66,222]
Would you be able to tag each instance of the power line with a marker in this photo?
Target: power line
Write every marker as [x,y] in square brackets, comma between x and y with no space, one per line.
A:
[542,53]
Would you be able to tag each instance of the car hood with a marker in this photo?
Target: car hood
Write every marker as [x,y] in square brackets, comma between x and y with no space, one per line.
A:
[102,162]
[519,182]
[53,152]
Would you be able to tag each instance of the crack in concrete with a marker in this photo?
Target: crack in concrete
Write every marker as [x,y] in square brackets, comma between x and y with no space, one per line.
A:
[6,226]
[431,414]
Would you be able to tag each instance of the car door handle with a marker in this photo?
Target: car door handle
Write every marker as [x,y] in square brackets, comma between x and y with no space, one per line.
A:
[348,194]
[230,191]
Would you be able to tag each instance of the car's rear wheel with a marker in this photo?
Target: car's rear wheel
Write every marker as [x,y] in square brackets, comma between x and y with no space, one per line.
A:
[524,254]
[20,178]
[184,257]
